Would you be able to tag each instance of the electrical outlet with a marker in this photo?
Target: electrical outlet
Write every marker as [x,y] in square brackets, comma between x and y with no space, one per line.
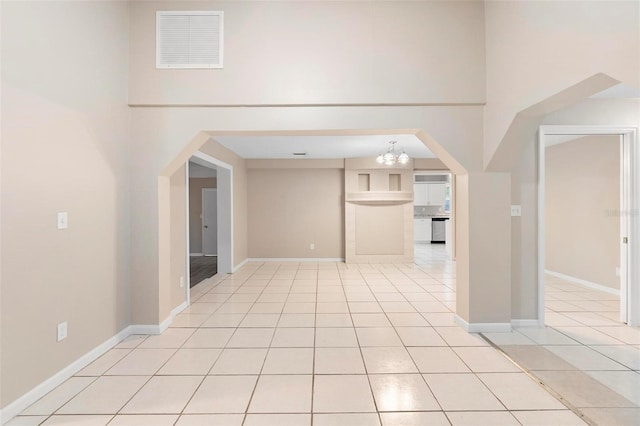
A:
[516,210]
[62,331]
[63,220]
[312,246]
[181,282]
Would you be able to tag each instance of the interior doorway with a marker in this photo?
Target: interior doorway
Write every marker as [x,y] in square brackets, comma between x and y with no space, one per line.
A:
[606,219]
[210,218]
[432,216]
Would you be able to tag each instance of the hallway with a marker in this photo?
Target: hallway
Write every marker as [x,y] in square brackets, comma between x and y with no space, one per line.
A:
[289,343]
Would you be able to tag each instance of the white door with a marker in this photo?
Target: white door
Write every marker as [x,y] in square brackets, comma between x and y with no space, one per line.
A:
[209,222]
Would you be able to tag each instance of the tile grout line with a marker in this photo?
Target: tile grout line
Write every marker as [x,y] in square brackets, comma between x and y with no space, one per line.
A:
[540,383]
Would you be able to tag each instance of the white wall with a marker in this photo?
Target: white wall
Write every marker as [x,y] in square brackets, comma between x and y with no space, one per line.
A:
[65,129]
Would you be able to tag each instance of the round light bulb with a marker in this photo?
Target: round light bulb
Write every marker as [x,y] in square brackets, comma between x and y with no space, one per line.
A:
[380,159]
[403,158]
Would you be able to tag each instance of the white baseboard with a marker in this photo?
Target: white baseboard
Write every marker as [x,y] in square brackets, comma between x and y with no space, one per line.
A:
[296,259]
[583,283]
[522,323]
[240,265]
[17,406]
[483,327]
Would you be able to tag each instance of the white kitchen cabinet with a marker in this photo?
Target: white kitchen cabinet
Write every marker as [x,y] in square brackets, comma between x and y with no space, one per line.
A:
[429,194]
[422,230]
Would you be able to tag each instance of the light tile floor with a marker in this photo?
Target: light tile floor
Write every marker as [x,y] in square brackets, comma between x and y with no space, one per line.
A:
[301,344]
[584,353]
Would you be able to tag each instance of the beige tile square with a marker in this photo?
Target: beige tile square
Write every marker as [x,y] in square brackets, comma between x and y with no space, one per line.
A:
[420,336]
[332,308]
[267,308]
[272,298]
[187,320]
[626,355]
[260,320]
[293,338]
[625,383]
[455,336]
[251,338]
[190,362]
[332,297]
[141,362]
[163,395]
[210,420]
[482,418]
[105,362]
[388,360]
[412,319]
[432,418]
[106,395]
[584,358]
[519,392]
[485,360]
[338,361]
[223,320]
[222,394]
[342,394]
[301,298]
[209,338]
[430,307]
[350,419]
[144,420]
[402,392]
[333,320]
[378,336]
[234,308]
[171,338]
[289,361]
[437,360]
[85,420]
[300,308]
[440,319]
[397,307]
[278,420]
[370,320]
[364,307]
[205,307]
[282,394]
[131,342]
[239,361]
[456,392]
[49,403]
[548,417]
[336,337]
[297,320]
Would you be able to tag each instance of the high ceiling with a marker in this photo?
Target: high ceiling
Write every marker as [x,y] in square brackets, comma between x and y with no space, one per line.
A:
[282,147]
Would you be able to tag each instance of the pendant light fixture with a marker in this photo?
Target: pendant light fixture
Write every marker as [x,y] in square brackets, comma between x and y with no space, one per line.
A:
[390,157]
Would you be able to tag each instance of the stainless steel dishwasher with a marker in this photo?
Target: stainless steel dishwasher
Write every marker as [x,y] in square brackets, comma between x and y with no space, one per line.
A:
[438,230]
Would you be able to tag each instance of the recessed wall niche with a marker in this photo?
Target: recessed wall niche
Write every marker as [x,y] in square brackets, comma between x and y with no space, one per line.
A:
[395,183]
[364,182]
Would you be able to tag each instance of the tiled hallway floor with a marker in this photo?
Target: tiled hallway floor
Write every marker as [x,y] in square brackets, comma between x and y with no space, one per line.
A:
[585,353]
[300,344]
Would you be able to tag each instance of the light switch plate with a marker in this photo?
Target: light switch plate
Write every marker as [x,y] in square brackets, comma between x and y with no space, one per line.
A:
[62,331]
[516,210]
[63,220]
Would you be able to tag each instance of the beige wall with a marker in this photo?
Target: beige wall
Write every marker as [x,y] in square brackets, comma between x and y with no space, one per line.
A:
[378,52]
[582,184]
[560,36]
[65,129]
[291,208]
[196,185]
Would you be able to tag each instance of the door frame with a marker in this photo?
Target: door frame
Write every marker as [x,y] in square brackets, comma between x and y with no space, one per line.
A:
[629,214]
[224,191]
[202,195]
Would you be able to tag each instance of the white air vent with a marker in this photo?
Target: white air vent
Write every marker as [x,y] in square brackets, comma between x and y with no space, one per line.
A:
[189,39]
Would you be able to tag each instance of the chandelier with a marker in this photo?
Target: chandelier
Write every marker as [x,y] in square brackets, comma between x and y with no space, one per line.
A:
[390,157]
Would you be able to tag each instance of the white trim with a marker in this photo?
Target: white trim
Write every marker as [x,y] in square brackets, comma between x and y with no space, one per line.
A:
[583,283]
[483,327]
[295,259]
[629,220]
[196,254]
[203,159]
[17,406]
[159,328]
[240,265]
[523,323]
[187,264]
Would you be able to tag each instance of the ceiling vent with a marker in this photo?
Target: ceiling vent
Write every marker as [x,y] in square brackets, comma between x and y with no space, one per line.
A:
[189,39]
